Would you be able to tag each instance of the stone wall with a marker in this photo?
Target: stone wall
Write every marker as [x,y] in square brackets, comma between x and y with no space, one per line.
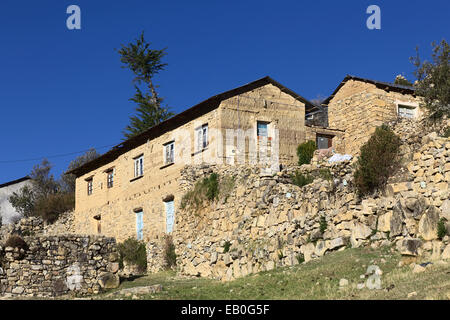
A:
[266,221]
[56,265]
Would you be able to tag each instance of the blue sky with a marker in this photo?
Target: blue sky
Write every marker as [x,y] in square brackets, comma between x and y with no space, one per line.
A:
[64,91]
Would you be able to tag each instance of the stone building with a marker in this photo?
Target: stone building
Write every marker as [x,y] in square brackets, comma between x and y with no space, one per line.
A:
[7,212]
[133,189]
[359,105]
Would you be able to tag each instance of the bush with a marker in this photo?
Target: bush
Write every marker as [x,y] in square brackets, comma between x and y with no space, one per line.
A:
[53,205]
[133,252]
[300,258]
[301,180]
[15,241]
[323,224]
[226,246]
[325,174]
[204,190]
[170,256]
[378,160]
[442,229]
[305,152]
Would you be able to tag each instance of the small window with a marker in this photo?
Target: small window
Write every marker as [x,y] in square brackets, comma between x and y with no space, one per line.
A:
[139,166]
[406,112]
[89,186]
[139,225]
[262,129]
[110,178]
[202,137]
[169,153]
[324,141]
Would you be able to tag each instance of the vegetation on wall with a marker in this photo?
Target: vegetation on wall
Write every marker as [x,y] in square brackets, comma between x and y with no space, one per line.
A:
[378,160]
[305,152]
[441,228]
[299,179]
[133,252]
[208,189]
[170,257]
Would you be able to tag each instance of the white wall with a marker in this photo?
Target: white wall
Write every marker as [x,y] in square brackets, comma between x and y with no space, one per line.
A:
[6,210]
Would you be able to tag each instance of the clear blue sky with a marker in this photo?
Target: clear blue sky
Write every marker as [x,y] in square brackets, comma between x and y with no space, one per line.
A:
[64,91]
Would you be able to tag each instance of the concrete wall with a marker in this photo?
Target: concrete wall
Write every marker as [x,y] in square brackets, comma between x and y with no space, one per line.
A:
[8,213]
[359,107]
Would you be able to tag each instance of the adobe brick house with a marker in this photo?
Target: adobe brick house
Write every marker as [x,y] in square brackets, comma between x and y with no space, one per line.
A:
[359,105]
[133,190]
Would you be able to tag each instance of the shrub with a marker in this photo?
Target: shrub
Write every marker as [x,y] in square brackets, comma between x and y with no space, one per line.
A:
[378,160]
[305,152]
[53,205]
[323,224]
[170,256]
[325,174]
[206,189]
[442,229]
[15,241]
[226,246]
[301,180]
[133,252]
[300,258]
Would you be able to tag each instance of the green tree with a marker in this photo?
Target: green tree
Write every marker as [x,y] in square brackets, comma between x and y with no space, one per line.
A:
[433,79]
[45,197]
[378,160]
[68,180]
[305,152]
[145,63]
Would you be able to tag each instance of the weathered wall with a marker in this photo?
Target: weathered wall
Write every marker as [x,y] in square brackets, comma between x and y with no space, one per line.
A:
[270,222]
[8,213]
[359,107]
[57,265]
[115,205]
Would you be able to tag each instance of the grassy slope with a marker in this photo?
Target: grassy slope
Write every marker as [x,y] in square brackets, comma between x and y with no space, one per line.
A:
[318,279]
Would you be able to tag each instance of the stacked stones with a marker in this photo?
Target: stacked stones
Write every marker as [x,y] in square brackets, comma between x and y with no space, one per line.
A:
[266,221]
[54,266]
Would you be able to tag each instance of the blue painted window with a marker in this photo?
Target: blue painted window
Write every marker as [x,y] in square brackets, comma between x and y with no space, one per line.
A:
[262,129]
[170,216]
[140,225]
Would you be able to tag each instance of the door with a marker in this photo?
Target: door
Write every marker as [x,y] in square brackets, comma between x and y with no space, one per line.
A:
[140,225]
[170,216]
[324,141]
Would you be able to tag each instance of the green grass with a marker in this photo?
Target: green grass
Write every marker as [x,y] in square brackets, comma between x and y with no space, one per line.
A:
[317,279]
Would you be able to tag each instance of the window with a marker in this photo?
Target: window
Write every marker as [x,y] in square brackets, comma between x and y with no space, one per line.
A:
[110,178]
[170,216]
[89,186]
[139,166]
[262,129]
[406,111]
[324,141]
[202,137]
[168,153]
[139,224]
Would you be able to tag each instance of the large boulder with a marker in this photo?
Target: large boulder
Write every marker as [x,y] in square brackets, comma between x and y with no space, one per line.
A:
[109,281]
[445,209]
[409,247]
[428,224]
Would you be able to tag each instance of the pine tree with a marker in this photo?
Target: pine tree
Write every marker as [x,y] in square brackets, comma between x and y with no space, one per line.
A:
[145,63]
